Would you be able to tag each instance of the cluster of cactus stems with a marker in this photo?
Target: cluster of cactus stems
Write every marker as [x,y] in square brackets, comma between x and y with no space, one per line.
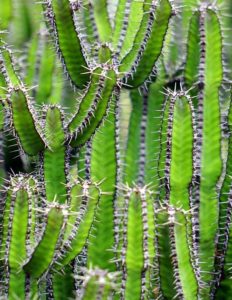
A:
[115,149]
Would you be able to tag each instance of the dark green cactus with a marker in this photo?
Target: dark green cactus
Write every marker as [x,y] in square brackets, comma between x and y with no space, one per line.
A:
[115,183]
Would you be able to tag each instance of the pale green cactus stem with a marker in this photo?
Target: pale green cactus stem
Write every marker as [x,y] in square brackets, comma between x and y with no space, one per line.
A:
[67,41]
[178,133]
[55,178]
[148,43]
[208,135]
[104,152]
[83,205]
[223,249]
[137,248]
[38,263]
[174,241]
[17,236]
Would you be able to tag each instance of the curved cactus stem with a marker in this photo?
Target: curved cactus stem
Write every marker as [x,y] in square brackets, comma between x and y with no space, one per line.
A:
[95,117]
[83,206]
[127,23]
[102,20]
[174,51]
[88,102]
[104,154]
[54,161]
[148,43]
[24,121]
[67,41]
[42,256]
[130,58]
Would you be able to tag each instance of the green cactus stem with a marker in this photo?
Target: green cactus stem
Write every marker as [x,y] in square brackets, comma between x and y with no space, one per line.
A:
[67,41]
[42,256]
[55,178]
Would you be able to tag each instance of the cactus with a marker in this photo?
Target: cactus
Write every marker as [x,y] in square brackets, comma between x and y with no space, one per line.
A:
[115,150]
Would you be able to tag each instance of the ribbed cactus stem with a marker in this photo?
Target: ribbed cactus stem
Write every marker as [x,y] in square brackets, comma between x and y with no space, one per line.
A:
[176,259]
[56,155]
[137,251]
[67,40]
[223,249]
[17,232]
[83,206]
[97,110]
[42,256]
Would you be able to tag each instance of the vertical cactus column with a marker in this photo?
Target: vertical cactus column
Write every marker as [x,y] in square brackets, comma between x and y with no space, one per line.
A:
[176,240]
[205,28]
[17,236]
[137,249]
